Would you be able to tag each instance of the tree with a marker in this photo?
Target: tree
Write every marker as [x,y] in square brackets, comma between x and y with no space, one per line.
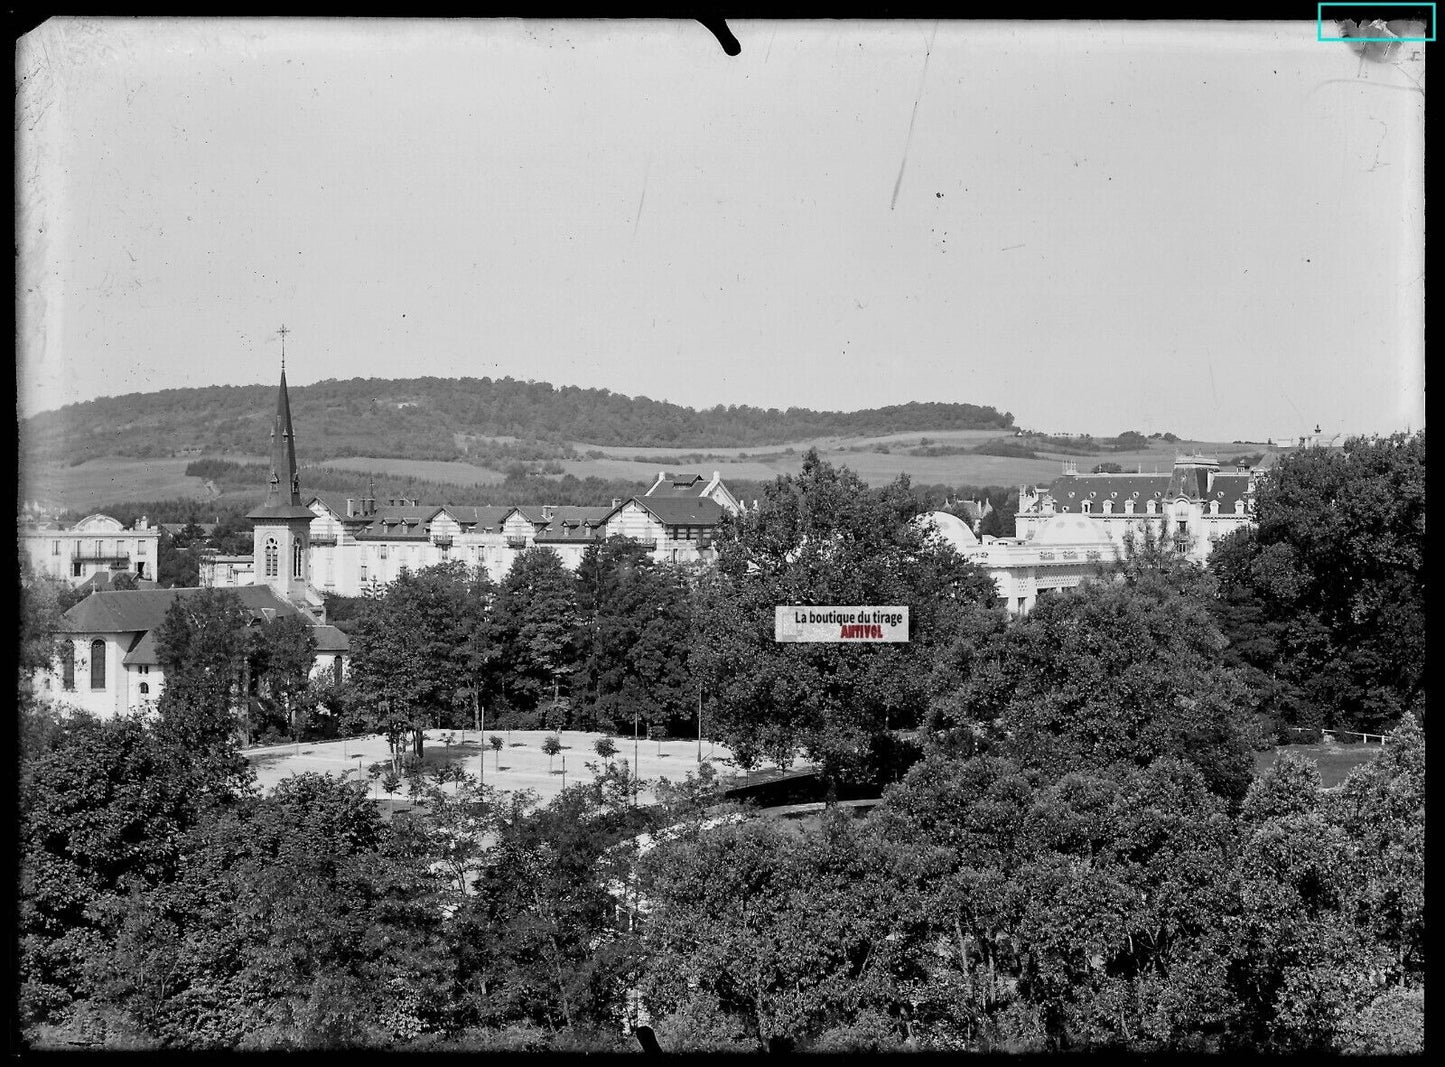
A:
[823,537]
[282,656]
[634,617]
[537,625]
[413,651]
[496,743]
[551,746]
[202,649]
[1108,673]
[606,748]
[298,920]
[43,600]
[1325,598]
[103,804]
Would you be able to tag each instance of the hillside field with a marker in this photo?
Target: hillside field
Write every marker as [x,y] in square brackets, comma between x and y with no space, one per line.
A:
[97,482]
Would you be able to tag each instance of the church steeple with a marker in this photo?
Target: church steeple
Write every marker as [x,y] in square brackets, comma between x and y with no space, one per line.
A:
[285,484]
[283,489]
[282,532]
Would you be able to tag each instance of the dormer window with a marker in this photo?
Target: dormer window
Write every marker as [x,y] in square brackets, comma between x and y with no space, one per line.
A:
[1086,506]
[1239,507]
[1129,506]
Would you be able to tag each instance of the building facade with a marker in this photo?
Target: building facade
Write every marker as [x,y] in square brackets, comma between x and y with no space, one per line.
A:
[358,545]
[1190,508]
[108,663]
[97,544]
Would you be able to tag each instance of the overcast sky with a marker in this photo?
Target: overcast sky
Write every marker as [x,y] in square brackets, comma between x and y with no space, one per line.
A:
[1212,228]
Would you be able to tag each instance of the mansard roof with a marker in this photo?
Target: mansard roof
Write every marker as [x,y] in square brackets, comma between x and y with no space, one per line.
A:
[1069,492]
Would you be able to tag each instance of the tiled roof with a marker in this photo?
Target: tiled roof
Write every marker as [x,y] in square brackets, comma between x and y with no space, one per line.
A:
[682,511]
[174,528]
[478,515]
[133,611]
[566,513]
[386,522]
[330,639]
[679,485]
[142,651]
[336,504]
[101,581]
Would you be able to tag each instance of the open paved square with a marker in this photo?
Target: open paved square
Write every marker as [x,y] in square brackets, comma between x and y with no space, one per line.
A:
[521,763]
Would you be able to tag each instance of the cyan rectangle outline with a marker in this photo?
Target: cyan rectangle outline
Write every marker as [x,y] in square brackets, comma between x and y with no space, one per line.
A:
[1320,23]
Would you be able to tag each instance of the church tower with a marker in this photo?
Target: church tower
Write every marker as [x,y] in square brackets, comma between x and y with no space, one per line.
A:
[282,542]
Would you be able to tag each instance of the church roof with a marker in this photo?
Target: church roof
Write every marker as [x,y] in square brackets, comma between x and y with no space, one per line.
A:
[136,610]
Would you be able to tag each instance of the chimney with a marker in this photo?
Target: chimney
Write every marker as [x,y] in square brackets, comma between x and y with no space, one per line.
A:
[546,512]
[350,506]
[616,501]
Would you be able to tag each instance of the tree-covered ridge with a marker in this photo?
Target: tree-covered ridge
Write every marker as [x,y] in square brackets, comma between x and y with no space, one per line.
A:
[437,418]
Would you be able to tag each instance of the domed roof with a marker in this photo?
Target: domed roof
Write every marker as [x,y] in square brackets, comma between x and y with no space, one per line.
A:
[951,528]
[1068,528]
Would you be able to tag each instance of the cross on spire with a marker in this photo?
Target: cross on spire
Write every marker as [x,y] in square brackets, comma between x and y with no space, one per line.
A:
[282,332]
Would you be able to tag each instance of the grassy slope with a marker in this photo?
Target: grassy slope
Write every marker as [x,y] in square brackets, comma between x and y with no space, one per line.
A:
[101,481]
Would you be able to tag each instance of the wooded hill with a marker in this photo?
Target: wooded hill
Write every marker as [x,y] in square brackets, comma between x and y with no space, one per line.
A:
[446,418]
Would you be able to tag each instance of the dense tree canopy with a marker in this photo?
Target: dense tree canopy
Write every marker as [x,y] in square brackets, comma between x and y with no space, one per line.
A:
[634,623]
[825,538]
[1324,602]
[416,646]
[1115,671]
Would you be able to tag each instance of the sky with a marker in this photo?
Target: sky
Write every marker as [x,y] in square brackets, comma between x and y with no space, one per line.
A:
[1214,229]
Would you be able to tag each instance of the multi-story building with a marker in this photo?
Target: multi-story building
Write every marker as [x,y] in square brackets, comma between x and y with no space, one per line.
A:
[96,544]
[358,545]
[1190,508]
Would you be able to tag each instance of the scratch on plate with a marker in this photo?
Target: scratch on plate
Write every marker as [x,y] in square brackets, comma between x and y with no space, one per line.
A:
[907,141]
[641,199]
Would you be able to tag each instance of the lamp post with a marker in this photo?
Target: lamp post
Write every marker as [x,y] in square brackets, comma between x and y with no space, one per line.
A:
[634,758]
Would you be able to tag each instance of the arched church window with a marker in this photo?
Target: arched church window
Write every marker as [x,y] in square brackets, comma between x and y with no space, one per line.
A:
[296,559]
[272,549]
[97,664]
[67,666]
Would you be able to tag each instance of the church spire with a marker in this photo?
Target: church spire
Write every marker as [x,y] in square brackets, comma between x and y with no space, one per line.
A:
[283,488]
[285,484]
